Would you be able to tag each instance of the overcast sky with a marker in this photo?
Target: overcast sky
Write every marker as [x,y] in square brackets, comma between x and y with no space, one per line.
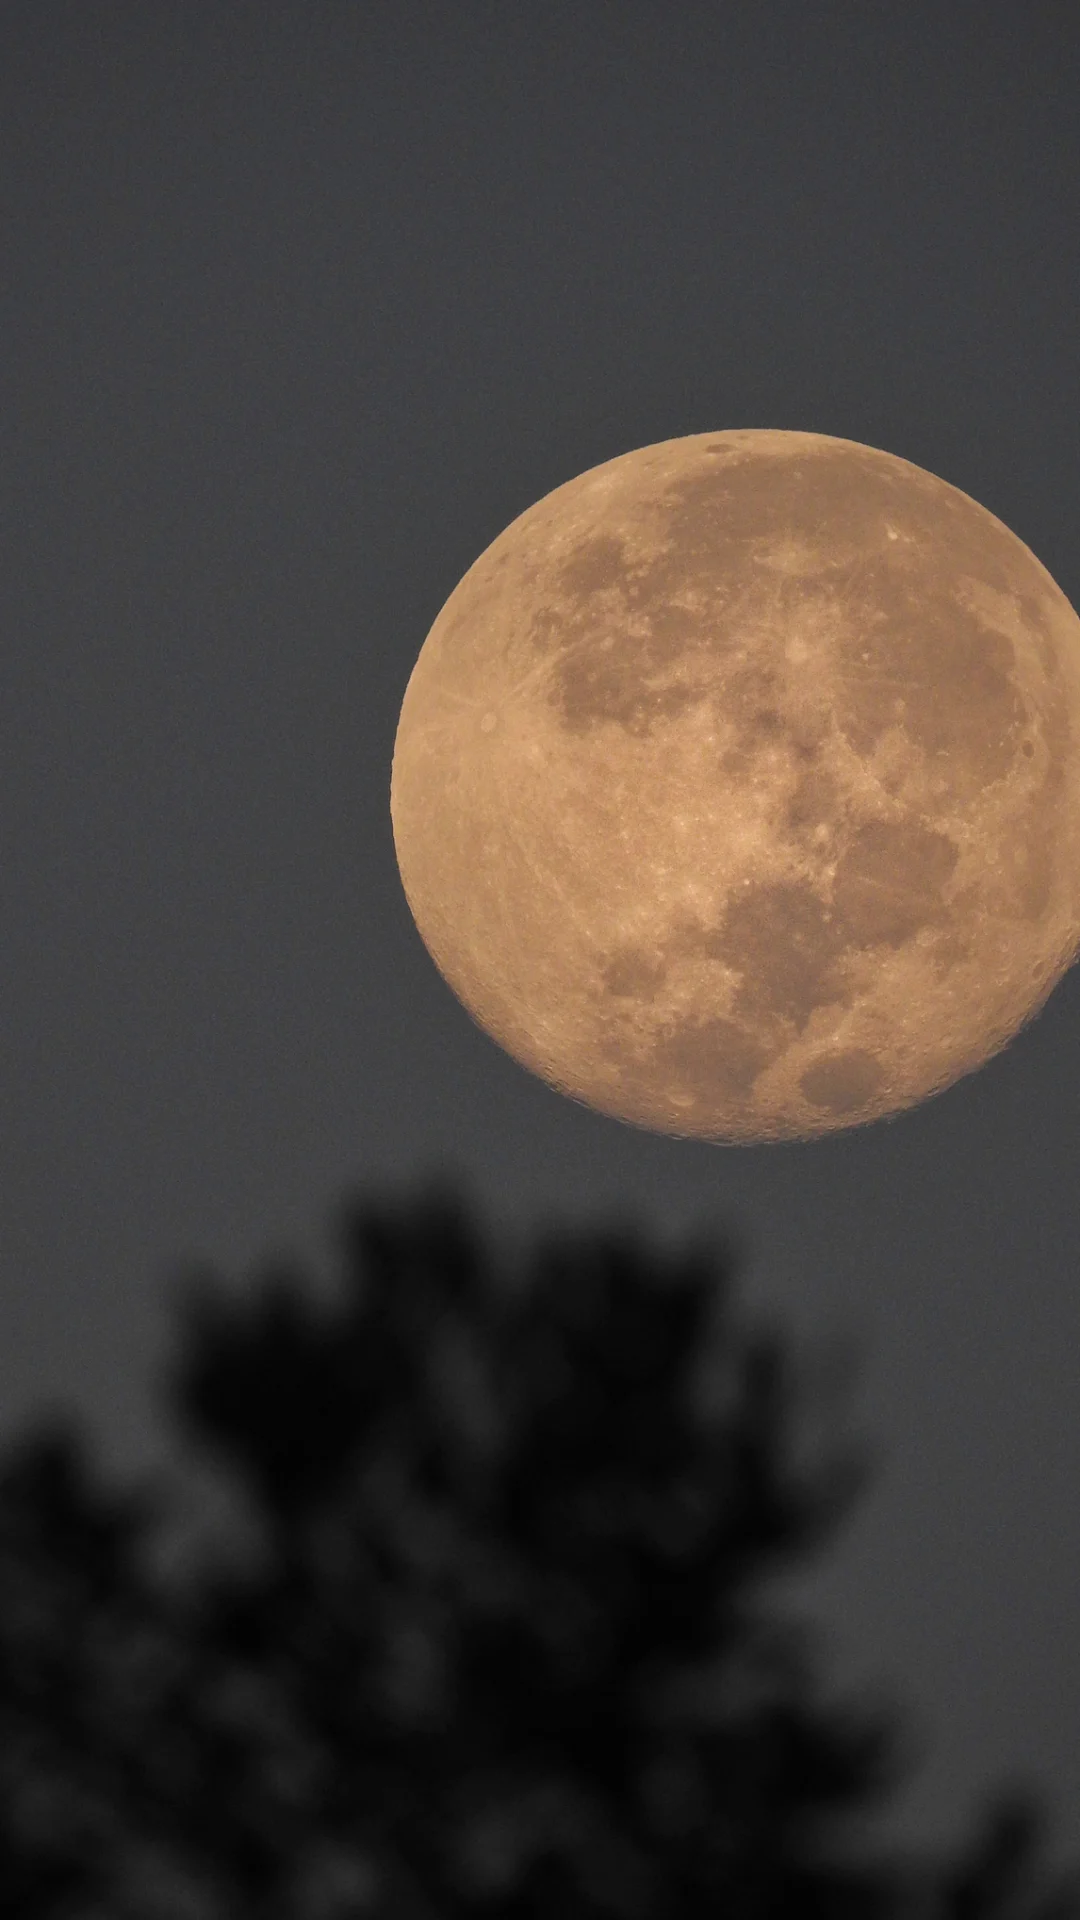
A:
[300,305]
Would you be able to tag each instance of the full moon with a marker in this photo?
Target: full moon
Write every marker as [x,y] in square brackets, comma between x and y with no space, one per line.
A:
[736,788]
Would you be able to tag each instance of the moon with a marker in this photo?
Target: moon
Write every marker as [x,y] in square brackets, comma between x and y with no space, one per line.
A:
[736,787]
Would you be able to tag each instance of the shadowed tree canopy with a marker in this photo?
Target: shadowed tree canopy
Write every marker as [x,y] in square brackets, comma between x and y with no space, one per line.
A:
[498,1641]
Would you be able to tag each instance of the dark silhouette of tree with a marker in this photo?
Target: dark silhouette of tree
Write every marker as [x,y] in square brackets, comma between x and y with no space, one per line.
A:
[499,1639]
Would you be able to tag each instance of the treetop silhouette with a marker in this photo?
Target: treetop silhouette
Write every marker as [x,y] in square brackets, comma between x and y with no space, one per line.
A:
[503,1645]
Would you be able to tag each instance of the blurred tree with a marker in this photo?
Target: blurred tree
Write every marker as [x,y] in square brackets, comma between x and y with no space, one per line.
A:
[499,1643]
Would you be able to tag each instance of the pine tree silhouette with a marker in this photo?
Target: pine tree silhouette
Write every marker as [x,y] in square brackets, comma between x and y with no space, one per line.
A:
[500,1642]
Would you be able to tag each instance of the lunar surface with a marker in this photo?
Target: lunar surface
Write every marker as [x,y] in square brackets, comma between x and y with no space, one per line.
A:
[736,789]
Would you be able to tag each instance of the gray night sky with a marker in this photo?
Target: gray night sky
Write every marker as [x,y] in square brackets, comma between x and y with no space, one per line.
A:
[301,305]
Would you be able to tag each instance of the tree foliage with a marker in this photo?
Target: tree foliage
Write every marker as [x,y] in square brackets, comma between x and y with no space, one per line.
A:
[500,1642]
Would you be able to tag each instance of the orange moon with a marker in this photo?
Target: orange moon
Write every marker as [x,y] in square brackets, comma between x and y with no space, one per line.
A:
[736,788]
